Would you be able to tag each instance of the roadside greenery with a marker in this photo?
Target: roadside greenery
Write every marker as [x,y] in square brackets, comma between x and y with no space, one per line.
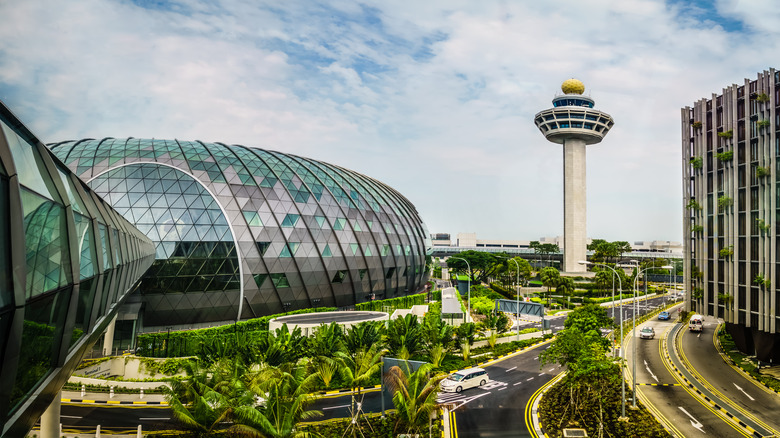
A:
[589,395]
[747,364]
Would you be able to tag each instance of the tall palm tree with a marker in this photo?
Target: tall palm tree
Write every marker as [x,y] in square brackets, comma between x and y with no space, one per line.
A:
[414,396]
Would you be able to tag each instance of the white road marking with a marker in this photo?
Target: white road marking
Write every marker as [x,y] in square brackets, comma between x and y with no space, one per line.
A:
[501,389]
[515,384]
[694,422]
[154,418]
[510,369]
[335,407]
[540,375]
[647,367]
[70,416]
[743,391]
[529,379]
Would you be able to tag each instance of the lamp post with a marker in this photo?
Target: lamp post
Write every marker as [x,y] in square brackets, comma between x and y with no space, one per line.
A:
[620,288]
[636,292]
[468,286]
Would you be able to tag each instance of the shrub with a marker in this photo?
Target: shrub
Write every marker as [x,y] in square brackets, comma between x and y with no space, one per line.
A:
[697,162]
[726,134]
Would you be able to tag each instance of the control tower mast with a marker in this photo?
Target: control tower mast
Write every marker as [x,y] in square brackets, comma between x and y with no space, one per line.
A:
[574,123]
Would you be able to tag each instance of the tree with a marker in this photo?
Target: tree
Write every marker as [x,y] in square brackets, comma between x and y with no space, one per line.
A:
[287,392]
[604,279]
[608,252]
[362,336]
[404,336]
[525,269]
[483,264]
[550,278]
[565,287]
[357,370]
[414,397]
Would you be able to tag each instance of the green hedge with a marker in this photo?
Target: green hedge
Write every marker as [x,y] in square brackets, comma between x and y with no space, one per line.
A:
[187,342]
[405,302]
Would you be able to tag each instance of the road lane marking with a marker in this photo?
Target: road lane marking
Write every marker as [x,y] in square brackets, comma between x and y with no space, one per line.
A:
[335,407]
[529,379]
[647,367]
[743,391]
[70,416]
[694,422]
[154,418]
[510,369]
[515,384]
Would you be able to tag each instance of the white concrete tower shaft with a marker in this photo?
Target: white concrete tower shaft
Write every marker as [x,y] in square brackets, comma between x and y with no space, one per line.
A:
[573,123]
[574,205]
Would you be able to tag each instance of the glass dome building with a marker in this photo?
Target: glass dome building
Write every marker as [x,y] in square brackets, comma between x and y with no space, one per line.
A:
[243,232]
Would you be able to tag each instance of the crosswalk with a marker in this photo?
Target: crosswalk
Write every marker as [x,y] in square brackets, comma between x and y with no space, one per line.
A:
[468,395]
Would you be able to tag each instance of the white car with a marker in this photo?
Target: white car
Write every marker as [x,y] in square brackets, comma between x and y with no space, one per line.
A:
[647,333]
[464,379]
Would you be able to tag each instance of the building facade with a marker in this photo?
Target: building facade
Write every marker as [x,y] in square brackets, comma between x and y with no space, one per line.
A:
[730,150]
[244,232]
[68,261]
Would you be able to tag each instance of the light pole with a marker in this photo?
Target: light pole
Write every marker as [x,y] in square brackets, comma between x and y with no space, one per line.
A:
[517,298]
[636,292]
[620,288]
[468,286]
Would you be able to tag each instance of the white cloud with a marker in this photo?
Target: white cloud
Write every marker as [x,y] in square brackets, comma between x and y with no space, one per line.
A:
[435,98]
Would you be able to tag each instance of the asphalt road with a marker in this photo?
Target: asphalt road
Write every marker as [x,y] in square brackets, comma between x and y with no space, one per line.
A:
[754,403]
[88,416]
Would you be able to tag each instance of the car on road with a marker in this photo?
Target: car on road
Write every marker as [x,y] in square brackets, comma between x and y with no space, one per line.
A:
[647,333]
[464,379]
[663,316]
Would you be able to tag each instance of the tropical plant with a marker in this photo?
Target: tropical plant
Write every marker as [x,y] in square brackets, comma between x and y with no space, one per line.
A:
[550,278]
[693,205]
[697,162]
[287,393]
[358,369]
[724,201]
[763,124]
[362,336]
[763,171]
[763,225]
[697,125]
[414,396]
[725,156]
[697,228]
[404,333]
[726,252]
[726,134]
[763,98]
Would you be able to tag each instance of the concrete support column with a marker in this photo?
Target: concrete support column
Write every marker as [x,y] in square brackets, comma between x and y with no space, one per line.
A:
[108,339]
[50,420]
[574,205]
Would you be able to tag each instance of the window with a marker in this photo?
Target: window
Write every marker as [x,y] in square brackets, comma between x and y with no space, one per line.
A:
[339,277]
[290,220]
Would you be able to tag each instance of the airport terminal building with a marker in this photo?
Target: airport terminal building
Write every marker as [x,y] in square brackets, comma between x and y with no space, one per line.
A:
[177,234]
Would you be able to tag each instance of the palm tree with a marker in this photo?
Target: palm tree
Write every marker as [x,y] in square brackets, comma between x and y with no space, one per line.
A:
[414,396]
[213,399]
[286,390]
[362,336]
[358,369]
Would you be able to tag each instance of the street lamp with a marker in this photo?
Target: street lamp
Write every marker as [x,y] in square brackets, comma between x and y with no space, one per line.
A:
[517,298]
[468,286]
[636,292]
[620,287]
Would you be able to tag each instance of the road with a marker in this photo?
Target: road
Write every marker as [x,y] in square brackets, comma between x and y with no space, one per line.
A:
[495,410]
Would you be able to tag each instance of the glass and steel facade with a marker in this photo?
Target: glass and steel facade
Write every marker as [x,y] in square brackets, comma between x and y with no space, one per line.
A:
[731,187]
[242,232]
[67,261]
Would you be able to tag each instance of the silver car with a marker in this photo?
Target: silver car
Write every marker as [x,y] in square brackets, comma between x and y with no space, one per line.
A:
[647,333]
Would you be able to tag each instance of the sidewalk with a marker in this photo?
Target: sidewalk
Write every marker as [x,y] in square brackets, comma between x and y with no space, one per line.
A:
[117,399]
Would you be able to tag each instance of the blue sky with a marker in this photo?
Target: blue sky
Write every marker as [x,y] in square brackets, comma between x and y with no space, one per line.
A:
[434,98]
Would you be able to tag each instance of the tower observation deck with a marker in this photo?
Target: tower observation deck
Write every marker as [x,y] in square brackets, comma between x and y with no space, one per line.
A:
[573,123]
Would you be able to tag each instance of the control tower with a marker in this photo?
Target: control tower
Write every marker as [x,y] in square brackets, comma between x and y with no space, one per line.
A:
[574,123]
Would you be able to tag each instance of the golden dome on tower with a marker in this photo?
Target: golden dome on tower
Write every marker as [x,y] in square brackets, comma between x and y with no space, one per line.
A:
[572,86]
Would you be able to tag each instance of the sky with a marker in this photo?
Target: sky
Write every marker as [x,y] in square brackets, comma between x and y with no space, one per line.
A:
[434,98]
